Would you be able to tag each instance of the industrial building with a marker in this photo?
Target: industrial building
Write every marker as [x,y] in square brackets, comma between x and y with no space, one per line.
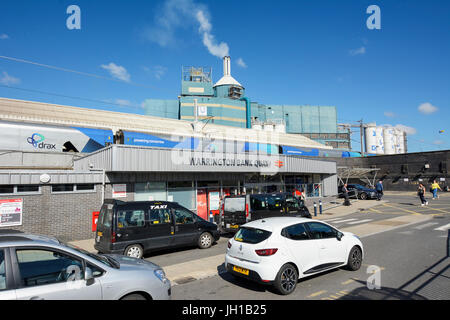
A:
[47,187]
[226,103]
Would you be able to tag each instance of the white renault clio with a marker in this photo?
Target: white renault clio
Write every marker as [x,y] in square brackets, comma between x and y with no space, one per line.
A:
[281,250]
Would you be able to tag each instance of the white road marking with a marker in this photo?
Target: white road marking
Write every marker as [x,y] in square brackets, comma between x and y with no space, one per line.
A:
[443,228]
[341,221]
[422,226]
[360,221]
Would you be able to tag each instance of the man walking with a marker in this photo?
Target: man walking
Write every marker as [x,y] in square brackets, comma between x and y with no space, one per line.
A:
[379,189]
[434,188]
[345,192]
[421,194]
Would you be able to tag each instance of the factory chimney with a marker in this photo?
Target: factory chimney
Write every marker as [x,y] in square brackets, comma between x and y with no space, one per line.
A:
[227,79]
[226,66]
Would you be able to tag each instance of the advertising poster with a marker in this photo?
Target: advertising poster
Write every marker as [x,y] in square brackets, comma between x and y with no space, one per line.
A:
[119,190]
[10,212]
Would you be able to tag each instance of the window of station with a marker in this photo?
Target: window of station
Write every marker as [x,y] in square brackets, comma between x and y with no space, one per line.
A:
[84,187]
[19,189]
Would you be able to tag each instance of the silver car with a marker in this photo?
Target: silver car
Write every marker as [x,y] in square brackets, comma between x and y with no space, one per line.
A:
[37,267]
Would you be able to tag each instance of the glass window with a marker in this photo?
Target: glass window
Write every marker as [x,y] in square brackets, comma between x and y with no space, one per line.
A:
[130,218]
[2,271]
[251,235]
[275,202]
[28,188]
[321,231]
[105,216]
[258,202]
[185,197]
[96,272]
[234,204]
[160,216]
[62,187]
[85,187]
[183,216]
[6,189]
[41,267]
[296,232]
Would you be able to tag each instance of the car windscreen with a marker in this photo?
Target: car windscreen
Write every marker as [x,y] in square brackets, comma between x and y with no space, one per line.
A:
[234,204]
[251,235]
[102,259]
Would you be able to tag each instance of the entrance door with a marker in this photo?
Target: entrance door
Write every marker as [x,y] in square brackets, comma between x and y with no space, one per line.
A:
[202,204]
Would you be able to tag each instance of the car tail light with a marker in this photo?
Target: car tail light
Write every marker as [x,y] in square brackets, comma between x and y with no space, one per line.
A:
[229,244]
[246,210]
[113,237]
[266,252]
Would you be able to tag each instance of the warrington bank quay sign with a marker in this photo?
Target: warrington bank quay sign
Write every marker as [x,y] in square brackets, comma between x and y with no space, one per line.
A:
[224,162]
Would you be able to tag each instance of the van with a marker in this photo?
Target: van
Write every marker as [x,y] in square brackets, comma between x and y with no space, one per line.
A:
[238,210]
[134,228]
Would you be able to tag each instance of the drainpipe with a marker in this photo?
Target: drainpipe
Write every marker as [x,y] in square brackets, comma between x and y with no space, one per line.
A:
[247,111]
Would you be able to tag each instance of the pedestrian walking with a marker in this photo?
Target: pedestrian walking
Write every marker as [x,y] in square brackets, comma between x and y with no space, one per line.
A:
[434,189]
[379,190]
[421,194]
[345,191]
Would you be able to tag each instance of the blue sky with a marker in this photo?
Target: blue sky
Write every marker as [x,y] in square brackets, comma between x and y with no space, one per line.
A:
[291,52]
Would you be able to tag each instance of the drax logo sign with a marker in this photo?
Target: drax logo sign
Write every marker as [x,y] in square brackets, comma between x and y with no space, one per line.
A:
[37,141]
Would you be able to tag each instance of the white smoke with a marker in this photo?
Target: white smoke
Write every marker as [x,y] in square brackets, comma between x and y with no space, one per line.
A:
[177,14]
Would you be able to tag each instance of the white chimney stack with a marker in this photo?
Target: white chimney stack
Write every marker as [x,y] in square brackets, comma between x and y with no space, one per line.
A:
[226,66]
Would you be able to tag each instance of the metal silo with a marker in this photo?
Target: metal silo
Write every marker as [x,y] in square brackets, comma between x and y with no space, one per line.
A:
[400,141]
[380,140]
[389,140]
[370,133]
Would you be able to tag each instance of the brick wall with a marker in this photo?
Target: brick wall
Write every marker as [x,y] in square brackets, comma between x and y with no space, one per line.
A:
[67,216]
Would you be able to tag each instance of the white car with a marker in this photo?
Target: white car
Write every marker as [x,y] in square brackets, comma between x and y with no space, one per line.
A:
[281,250]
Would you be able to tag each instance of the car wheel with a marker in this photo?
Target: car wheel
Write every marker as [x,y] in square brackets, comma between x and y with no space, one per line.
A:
[205,241]
[135,251]
[286,279]
[134,296]
[363,196]
[354,259]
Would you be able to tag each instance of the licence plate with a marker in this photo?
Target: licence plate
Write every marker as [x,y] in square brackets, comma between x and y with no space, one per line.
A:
[241,270]
[234,226]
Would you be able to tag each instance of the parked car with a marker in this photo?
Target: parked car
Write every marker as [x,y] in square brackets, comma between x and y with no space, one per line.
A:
[241,209]
[280,250]
[34,267]
[357,190]
[133,228]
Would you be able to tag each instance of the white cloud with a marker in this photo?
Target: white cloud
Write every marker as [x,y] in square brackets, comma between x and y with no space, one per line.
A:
[123,102]
[427,108]
[408,130]
[116,71]
[241,63]
[4,36]
[8,80]
[177,14]
[389,114]
[355,52]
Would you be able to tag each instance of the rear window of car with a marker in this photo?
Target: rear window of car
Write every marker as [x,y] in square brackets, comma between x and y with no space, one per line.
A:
[105,216]
[234,204]
[251,235]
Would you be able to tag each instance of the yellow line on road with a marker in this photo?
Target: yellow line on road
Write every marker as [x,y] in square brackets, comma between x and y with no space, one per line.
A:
[318,293]
[334,297]
[437,210]
[327,299]
[348,282]
[375,210]
[409,211]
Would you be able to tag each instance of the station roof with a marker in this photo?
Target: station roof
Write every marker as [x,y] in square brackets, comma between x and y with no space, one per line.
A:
[52,114]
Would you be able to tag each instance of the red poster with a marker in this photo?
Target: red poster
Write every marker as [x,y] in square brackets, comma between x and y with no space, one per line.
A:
[202,204]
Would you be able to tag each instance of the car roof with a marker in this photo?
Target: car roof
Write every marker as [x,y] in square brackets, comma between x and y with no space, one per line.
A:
[274,223]
[11,239]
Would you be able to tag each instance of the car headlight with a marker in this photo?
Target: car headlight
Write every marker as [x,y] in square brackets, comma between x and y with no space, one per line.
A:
[161,275]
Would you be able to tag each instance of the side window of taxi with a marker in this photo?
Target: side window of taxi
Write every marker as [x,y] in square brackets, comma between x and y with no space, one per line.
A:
[159,214]
[2,271]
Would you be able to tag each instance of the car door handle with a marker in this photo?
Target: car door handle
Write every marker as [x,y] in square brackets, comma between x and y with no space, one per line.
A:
[36,298]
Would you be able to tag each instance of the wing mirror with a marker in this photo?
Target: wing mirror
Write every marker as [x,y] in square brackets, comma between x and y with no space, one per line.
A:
[339,235]
[88,276]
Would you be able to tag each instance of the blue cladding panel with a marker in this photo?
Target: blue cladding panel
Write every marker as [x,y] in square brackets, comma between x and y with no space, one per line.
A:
[147,140]
[97,135]
[300,152]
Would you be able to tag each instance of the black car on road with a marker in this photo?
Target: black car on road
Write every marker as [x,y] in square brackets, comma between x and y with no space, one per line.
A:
[359,191]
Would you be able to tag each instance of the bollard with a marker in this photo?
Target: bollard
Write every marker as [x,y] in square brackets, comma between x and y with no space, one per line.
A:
[320,206]
[315,209]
